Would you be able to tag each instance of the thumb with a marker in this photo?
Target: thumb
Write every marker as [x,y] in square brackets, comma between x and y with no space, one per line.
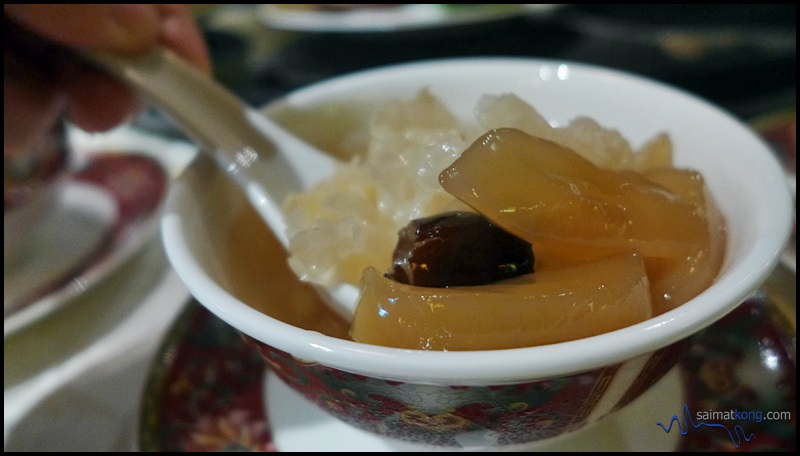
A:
[127,28]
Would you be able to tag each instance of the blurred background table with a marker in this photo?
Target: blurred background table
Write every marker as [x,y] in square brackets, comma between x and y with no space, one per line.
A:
[73,381]
[738,56]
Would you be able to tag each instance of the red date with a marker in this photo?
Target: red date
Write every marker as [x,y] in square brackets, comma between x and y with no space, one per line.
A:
[458,249]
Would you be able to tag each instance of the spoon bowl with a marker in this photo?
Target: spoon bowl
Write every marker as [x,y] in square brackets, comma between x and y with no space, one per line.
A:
[265,161]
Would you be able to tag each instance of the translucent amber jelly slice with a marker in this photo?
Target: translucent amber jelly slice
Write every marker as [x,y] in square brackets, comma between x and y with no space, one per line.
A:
[541,191]
[675,280]
[534,309]
[573,211]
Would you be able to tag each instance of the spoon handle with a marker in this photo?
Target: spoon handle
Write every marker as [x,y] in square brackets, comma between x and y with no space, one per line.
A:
[267,162]
[264,160]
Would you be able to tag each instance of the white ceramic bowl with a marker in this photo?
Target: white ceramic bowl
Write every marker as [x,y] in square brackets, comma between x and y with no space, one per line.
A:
[741,172]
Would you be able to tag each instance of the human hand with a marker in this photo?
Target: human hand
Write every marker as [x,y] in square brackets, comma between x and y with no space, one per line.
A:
[91,99]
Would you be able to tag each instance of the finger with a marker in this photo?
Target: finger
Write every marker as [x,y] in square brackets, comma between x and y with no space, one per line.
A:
[180,32]
[127,28]
[98,102]
[27,111]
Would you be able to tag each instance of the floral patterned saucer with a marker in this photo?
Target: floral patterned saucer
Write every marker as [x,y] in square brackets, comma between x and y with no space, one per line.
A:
[107,210]
[209,391]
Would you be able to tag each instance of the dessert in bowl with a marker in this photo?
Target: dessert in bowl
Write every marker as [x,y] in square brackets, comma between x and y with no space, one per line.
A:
[478,397]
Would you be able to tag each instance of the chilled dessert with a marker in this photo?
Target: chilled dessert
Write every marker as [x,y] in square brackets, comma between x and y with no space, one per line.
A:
[512,233]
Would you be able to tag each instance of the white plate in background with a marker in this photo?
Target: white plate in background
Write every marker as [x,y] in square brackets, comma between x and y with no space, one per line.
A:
[105,214]
[386,18]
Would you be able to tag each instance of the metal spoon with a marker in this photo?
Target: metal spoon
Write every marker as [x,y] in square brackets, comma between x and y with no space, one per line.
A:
[264,160]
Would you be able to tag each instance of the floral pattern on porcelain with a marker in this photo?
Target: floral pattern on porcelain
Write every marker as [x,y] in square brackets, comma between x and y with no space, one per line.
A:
[757,373]
[446,415]
[211,398]
[205,391]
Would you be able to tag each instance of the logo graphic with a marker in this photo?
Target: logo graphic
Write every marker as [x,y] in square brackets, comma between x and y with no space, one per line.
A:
[736,435]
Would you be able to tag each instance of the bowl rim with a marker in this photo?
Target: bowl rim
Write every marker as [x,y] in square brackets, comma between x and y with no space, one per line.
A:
[487,366]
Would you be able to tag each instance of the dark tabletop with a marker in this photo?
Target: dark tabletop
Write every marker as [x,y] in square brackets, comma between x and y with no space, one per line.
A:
[741,57]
